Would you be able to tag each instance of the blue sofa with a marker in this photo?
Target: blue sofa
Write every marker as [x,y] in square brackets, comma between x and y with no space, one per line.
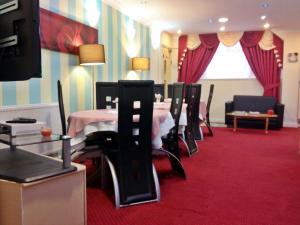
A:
[254,103]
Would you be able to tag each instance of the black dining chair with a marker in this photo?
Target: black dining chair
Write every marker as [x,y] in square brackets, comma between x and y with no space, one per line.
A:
[170,141]
[61,108]
[129,156]
[90,148]
[206,120]
[192,98]
[159,89]
[106,93]
[170,90]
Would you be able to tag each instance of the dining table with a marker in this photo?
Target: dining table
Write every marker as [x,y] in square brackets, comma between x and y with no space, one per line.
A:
[83,123]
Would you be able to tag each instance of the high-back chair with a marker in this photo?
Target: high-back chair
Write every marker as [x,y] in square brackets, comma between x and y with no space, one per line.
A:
[206,120]
[106,93]
[170,141]
[211,92]
[130,158]
[159,89]
[88,149]
[176,106]
[192,98]
[170,90]
[61,109]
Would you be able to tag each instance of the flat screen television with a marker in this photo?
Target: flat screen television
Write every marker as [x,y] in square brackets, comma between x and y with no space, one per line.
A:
[20,49]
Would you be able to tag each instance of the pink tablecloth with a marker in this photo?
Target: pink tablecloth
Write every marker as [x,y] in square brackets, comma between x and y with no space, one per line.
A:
[167,105]
[78,121]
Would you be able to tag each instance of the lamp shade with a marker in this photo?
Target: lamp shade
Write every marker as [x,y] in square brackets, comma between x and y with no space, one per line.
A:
[91,54]
[140,63]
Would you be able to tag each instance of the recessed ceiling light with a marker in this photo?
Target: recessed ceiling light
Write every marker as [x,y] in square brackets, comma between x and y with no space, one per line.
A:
[222,28]
[266,25]
[265,5]
[210,20]
[263,17]
[179,31]
[223,19]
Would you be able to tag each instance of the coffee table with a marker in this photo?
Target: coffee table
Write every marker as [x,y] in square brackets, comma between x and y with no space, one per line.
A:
[259,116]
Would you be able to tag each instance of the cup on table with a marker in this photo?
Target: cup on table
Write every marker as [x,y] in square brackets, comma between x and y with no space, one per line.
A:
[158,97]
[46,131]
[270,112]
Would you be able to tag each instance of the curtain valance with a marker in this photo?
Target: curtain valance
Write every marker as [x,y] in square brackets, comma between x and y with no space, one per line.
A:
[230,38]
[266,40]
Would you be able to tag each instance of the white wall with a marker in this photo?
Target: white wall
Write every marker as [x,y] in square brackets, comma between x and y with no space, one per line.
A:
[157,63]
[290,77]
[225,89]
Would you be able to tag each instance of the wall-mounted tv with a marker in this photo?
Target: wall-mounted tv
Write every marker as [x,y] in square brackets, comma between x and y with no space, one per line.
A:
[20,49]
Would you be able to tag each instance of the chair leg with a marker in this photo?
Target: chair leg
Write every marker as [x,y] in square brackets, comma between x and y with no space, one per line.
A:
[115,182]
[173,148]
[201,133]
[207,119]
[190,143]
[185,143]
[197,131]
[209,128]
[156,183]
[175,163]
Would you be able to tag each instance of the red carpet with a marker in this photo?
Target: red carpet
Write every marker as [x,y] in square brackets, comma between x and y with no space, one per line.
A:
[243,178]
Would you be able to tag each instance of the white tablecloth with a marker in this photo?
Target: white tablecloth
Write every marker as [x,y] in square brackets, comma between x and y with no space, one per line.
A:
[164,128]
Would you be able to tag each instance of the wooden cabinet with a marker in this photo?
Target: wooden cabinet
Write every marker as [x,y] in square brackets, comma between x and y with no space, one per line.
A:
[58,200]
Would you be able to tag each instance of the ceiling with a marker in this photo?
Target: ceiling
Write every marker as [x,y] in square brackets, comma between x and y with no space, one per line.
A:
[193,15]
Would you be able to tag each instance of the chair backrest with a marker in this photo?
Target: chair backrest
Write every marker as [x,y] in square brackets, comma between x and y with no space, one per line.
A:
[106,92]
[176,104]
[135,149]
[61,108]
[192,98]
[170,90]
[159,89]
[211,92]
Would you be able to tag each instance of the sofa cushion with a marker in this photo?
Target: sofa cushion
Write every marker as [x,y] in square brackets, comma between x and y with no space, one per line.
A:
[253,103]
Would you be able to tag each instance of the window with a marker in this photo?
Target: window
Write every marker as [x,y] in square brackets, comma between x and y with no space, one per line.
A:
[228,63]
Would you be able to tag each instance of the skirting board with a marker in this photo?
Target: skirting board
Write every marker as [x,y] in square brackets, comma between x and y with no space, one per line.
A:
[285,124]
[290,124]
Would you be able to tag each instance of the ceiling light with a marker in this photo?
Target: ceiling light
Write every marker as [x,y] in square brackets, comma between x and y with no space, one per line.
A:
[223,19]
[265,5]
[266,25]
[210,20]
[222,28]
[179,31]
[263,17]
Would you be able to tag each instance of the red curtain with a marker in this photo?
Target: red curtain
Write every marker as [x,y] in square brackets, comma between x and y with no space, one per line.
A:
[196,61]
[263,63]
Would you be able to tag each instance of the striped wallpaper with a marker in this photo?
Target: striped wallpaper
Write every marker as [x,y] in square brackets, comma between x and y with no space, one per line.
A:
[122,38]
